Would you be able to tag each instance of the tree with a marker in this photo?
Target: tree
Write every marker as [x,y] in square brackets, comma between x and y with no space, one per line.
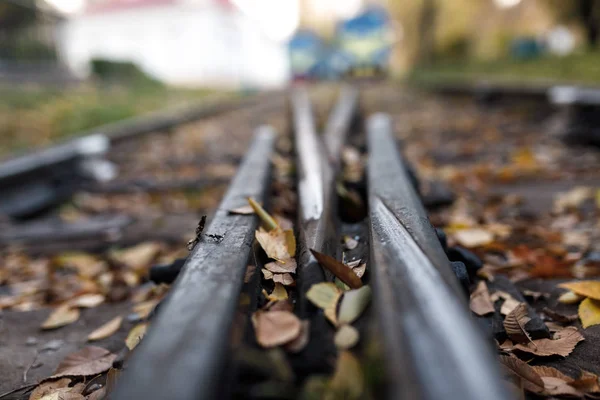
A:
[584,12]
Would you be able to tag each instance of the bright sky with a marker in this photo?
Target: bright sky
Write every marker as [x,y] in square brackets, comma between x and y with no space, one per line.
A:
[278,18]
[67,6]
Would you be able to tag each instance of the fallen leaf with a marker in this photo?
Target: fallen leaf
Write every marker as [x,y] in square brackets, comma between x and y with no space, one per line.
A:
[279,305]
[325,295]
[99,394]
[587,382]
[553,326]
[144,308]
[353,264]
[61,316]
[531,380]
[85,264]
[49,387]
[63,394]
[353,303]
[288,266]
[555,382]
[274,243]
[344,273]
[350,243]
[346,337]
[589,312]
[135,335]
[284,279]
[347,381]
[509,304]
[243,210]
[138,257]
[572,199]
[91,360]
[278,293]
[570,298]
[274,328]
[290,242]
[474,237]
[87,300]
[298,344]
[514,324]
[480,301]
[589,289]
[535,295]
[558,317]
[563,343]
[106,330]
[267,274]
[360,270]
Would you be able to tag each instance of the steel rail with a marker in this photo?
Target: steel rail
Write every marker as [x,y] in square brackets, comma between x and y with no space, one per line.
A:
[186,349]
[339,123]
[432,349]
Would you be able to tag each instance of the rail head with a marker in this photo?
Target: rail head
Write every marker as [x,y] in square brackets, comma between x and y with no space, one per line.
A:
[432,347]
[184,353]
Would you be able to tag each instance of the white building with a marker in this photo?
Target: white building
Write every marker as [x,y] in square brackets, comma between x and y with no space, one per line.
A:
[212,43]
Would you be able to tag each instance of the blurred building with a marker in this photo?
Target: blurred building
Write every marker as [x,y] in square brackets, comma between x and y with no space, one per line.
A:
[212,43]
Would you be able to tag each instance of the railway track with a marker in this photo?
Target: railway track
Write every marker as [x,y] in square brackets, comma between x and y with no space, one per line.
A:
[251,314]
[419,321]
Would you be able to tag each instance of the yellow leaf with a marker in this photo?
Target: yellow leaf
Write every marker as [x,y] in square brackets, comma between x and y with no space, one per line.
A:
[138,257]
[106,330]
[144,308]
[63,315]
[278,293]
[584,288]
[264,216]
[569,298]
[325,295]
[347,381]
[353,304]
[274,243]
[589,312]
[135,335]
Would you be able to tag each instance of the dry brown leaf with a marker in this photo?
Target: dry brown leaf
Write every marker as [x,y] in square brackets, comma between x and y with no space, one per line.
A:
[279,305]
[553,326]
[267,274]
[509,304]
[589,289]
[274,328]
[586,383]
[91,360]
[535,295]
[61,316]
[325,295]
[563,343]
[49,387]
[298,344]
[480,301]
[243,210]
[138,257]
[474,237]
[555,382]
[87,300]
[531,380]
[278,267]
[507,345]
[360,270]
[340,270]
[135,335]
[63,394]
[346,337]
[514,324]
[284,279]
[589,312]
[570,298]
[85,264]
[99,394]
[106,330]
[274,243]
[558,317]
[353,303]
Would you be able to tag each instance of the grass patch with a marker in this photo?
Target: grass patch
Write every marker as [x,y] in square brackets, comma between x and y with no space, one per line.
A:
[38,116]
[581,68]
